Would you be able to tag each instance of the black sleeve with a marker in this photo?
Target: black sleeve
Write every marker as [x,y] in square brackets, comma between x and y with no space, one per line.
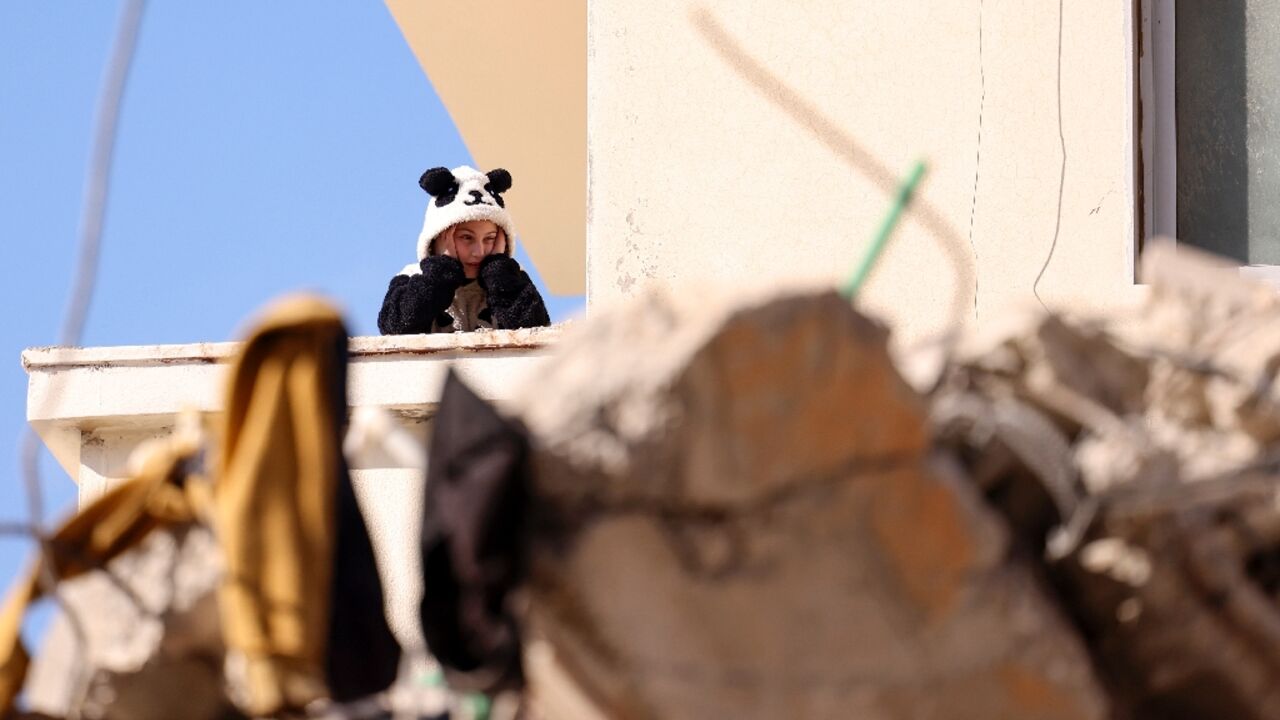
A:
[414,301]
[512,297]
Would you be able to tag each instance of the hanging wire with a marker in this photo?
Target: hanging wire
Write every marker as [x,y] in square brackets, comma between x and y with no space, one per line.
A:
[97,187]
[93,212]
[19,529]
[1062,176]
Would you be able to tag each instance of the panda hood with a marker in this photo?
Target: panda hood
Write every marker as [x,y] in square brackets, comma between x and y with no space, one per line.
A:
[460,195]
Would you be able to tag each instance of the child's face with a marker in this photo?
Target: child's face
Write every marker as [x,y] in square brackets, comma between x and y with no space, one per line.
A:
[472,241]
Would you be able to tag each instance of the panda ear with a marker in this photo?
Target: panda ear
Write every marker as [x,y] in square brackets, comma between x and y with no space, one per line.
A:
[499,180]
[438,181]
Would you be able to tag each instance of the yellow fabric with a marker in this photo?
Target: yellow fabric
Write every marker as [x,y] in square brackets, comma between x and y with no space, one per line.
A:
[275,504]
[272,507]
[101,531]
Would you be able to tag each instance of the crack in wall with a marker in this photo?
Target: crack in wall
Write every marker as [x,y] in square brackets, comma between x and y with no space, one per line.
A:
[977,164]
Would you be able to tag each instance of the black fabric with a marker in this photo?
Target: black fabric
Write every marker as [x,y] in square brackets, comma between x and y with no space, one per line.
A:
[476,501]
[363,655]
[413,301]
[499,182]
[440,183]
[512,296]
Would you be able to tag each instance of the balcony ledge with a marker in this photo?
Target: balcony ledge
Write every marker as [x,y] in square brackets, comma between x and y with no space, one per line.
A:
[74,393]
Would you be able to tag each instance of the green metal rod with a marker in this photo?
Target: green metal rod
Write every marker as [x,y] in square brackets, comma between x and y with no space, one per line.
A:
[900,202]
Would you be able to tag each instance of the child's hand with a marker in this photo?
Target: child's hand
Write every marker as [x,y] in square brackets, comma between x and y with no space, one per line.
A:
[500,245]
[447,246]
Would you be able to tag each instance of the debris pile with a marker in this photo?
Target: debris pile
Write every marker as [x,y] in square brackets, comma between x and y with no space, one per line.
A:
[747,520]
[742,509]
[1135,456]
[747,513]
[153,648]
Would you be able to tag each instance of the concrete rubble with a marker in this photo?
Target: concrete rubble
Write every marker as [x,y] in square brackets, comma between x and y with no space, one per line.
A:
[1157,524]
[152,647]
[744,516]
[747,513]
[741,509]
[152,642]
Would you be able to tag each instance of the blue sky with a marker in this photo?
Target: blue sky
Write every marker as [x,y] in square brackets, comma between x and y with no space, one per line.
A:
[263,147]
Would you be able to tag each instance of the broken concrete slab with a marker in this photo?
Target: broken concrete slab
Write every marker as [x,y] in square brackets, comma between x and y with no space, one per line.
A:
[154,643]
[742,517]
[1168,562]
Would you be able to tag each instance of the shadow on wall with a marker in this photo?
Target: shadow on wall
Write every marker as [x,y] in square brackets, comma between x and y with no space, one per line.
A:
[845,147]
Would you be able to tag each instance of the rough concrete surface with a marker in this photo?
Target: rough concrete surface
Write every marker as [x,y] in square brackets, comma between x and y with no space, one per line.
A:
[751,523]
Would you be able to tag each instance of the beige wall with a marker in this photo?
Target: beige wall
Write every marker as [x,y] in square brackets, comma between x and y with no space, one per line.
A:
[749,140]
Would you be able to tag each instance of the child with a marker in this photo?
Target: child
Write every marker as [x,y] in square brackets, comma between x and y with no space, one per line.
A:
[465,277]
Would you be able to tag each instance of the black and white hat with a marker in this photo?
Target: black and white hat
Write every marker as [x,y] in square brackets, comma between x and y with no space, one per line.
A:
[461,195]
